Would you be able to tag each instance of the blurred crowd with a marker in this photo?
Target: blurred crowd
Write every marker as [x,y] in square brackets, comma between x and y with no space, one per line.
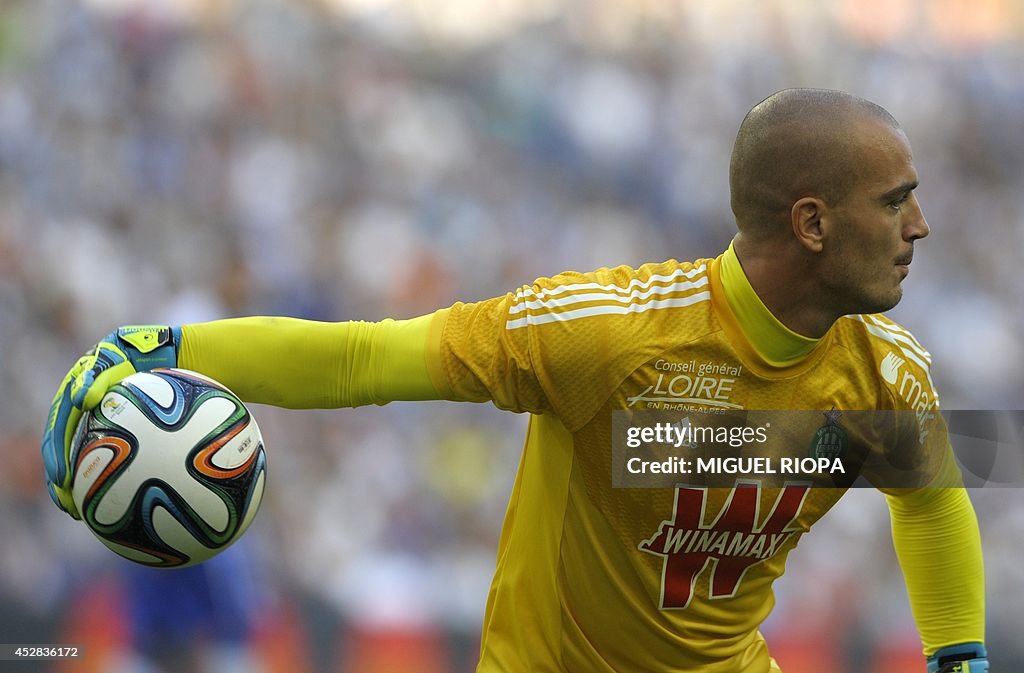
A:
[178,162]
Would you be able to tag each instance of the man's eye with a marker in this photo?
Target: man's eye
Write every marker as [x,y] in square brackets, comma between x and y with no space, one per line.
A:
[895,205]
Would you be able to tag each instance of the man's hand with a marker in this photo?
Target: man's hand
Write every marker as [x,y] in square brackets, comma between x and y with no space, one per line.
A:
[120,354]
[964,658]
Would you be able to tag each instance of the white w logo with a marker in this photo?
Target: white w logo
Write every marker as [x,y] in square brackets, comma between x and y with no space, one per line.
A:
[890,367]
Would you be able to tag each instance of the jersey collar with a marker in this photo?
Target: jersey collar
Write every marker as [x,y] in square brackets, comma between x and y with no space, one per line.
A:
[774,343]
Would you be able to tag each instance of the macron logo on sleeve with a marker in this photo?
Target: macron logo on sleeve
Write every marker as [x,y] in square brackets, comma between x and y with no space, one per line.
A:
[890,367]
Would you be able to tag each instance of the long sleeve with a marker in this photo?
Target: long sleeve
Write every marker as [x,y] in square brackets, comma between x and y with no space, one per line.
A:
[938,544]
[302,364]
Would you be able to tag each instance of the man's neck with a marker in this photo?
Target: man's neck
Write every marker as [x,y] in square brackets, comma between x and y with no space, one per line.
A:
[776,344]
[783,282]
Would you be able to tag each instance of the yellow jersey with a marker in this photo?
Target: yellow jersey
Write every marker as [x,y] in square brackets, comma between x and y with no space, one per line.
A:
[595,579]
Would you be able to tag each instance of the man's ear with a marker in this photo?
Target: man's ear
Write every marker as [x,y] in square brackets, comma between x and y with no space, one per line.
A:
[808,219]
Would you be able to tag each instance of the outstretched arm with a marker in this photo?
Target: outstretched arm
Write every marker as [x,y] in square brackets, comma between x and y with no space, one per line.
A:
[283,361]
[301,364]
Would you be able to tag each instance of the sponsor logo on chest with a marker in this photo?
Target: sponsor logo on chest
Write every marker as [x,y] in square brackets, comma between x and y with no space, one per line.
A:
[682,385]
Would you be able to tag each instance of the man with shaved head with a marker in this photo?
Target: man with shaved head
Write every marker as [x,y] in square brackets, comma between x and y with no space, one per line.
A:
[822,189]
[594,578]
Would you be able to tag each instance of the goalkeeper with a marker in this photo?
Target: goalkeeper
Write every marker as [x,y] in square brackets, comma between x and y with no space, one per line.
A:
[588,577]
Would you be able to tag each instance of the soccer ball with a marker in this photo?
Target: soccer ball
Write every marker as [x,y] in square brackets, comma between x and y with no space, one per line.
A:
[169,468]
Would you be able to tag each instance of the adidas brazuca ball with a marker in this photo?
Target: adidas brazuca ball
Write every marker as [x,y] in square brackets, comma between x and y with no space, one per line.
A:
[169,468]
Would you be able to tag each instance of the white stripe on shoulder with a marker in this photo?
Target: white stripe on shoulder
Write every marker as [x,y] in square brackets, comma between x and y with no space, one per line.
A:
[901,335]
[636,284]
[607,309]
[614,296]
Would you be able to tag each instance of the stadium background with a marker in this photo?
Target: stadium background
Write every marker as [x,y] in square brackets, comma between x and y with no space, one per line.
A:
[179,161]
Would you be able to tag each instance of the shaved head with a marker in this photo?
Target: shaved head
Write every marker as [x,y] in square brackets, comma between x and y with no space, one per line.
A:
[798,143]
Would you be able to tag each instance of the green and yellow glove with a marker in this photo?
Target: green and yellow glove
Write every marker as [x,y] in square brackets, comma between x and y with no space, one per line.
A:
[126,350]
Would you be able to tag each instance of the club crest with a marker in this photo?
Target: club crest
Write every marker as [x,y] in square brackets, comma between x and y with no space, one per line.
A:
[830,440]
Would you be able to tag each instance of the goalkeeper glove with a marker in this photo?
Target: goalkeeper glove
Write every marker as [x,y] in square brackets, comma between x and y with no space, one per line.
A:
[963,658]
[120,354]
